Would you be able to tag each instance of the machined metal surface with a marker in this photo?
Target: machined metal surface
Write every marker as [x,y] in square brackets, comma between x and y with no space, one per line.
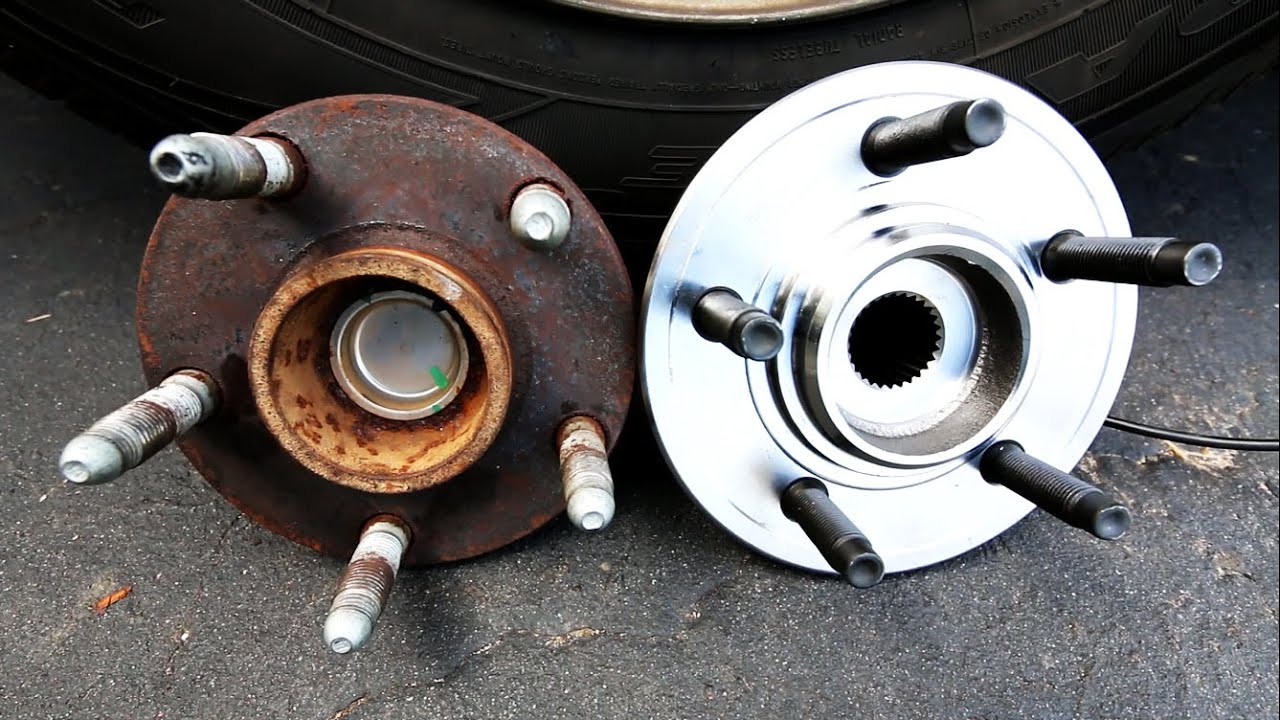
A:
[919,327]
[728,11]
[403,217]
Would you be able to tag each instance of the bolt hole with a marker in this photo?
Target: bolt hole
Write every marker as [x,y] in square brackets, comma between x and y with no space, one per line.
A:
[894,339]
[169,165]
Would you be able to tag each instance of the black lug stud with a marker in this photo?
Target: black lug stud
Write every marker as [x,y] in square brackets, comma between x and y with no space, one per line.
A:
[1152,261]
[844,546]
[1064,496]
[721,316]
[892,145]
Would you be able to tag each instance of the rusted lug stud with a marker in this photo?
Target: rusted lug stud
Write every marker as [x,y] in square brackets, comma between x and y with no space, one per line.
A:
[1064,496]
[227,167]
[844,546]
[721,316]
[1153,261]
[584,470]
[891,145]
[540,217]
[126,437]
[364,585]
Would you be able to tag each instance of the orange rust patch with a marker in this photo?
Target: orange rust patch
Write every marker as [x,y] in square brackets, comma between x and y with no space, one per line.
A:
[397,456]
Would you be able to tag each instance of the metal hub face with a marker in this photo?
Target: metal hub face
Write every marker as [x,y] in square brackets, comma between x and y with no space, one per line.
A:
[730,11]
[379,334]
[918,325]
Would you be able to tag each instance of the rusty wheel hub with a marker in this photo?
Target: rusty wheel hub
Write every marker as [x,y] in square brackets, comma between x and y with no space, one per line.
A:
[384,343]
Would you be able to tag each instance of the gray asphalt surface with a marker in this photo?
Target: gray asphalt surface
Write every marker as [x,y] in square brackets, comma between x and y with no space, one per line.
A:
[664,615]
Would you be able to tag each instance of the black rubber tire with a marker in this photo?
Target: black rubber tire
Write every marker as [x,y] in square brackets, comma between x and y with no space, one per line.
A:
[628,108]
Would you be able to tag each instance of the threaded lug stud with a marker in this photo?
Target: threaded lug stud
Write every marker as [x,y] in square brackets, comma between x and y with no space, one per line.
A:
[364,585]
[891,145]
[844,546]
[1150,261]
[1064,496]
[227,167]
[127,437]
[720,315]
[584,470]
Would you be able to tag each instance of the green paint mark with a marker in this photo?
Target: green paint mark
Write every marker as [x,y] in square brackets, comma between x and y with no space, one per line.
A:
[435,408]
[437,374]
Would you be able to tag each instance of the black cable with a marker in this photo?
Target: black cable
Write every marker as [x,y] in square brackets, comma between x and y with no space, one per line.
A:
[1186,438]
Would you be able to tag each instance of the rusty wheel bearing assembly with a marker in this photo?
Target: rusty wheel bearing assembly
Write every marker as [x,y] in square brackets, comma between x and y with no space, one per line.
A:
[403,336]
[884,321]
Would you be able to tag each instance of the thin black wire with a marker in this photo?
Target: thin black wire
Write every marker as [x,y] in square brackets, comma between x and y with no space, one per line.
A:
[1187,438]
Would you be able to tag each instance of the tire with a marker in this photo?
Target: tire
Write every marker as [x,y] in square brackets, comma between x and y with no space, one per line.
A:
[629,108]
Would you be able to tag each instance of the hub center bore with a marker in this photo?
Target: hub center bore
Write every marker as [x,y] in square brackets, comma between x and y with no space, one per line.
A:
[913,360]
[397,356]
[397,395]
[895,339]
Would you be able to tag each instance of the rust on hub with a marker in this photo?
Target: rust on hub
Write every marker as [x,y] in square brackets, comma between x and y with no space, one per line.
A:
[299,399]
[401,195]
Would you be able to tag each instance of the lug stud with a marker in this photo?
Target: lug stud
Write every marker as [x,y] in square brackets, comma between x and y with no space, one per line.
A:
[891,145]
[364,585]
[227,167]
[540,217]
[844,546]
[125,438]
[1154,261]
[584,470]
[721,315]
[1064,496]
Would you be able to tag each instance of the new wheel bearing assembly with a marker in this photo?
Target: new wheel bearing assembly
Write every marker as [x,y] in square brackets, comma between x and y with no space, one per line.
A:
[404,337]
[889,313]
[884,320]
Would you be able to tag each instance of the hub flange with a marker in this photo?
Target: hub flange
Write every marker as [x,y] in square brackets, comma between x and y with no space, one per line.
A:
[919,327]
[407,201]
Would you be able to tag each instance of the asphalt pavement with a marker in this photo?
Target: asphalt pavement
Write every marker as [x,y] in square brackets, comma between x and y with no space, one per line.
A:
[663,615]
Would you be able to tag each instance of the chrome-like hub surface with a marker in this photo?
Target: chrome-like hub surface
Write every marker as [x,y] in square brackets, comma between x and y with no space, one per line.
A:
[972,343]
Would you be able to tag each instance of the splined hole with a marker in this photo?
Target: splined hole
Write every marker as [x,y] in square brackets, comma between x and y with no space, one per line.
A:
[894,339]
